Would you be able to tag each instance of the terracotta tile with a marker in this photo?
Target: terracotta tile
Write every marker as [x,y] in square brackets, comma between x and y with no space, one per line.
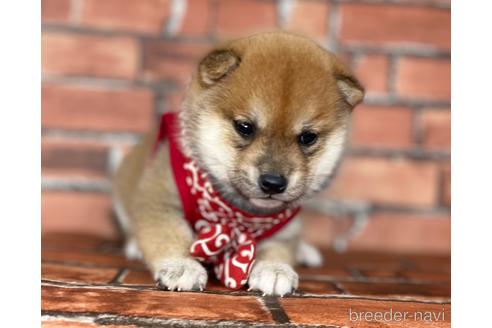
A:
[213,285]
[337,312]
[144,277]
[88,258]
[141,277]
[75,324]
[157,304]
[364,261]
[78,241]
[334,273]
[429,263]
[317,287]
[427,276]
[397,289]
[380,273]
[77,274]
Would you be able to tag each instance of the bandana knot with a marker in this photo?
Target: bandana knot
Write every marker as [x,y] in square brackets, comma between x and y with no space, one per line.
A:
[232,254]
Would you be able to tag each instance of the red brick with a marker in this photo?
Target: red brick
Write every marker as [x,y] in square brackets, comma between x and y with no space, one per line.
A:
[156,304]
[144,16]
[436,129]
[309,18]
[76,54]
[197,19]
[446,185]
[372,71]
[55,11]
[395,25]
[321,230]
[241,18]
[174,61]
[400,182]
[173,99]
[314,311]
[388,127]
[76,212]
[346,57]
[175,49]
[405,233]
[81,159]
[424,78]
[99,109]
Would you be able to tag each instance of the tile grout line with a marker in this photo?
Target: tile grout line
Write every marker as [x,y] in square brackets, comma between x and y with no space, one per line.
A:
[275,308]
[338,287]
[307,277]
[108,319]
[119,276]
[149,288]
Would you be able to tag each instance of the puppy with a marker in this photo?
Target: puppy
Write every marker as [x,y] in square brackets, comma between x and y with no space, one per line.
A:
[261,129]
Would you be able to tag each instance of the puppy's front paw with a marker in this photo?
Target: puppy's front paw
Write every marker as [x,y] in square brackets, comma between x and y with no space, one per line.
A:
[273,278]
[180,274]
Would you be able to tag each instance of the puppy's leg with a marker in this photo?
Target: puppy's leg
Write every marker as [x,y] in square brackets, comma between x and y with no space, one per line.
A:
[164,238]
[308,255]
[162,234]
[272,272]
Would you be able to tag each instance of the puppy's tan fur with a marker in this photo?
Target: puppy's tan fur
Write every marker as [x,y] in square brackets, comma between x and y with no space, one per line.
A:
[284,85]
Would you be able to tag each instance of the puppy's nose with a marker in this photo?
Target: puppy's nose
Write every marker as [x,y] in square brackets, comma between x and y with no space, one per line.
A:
[272,183]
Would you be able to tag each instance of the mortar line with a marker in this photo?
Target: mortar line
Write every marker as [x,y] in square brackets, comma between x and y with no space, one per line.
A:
[276,310]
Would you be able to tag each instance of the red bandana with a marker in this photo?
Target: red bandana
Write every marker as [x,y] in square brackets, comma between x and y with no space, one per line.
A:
[226,235]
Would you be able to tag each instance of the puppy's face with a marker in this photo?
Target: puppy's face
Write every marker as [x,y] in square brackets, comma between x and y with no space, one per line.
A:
[267,117]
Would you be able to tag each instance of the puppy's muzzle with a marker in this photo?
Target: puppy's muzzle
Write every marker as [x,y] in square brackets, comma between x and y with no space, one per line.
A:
[272,183]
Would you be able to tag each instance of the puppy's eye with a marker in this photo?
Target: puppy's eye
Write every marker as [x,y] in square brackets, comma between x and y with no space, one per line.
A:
[245,129]
[307,138]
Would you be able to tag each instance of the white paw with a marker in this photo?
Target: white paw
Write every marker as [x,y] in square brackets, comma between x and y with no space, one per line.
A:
[132,252]
[180,274]
[308,255]
[273,278]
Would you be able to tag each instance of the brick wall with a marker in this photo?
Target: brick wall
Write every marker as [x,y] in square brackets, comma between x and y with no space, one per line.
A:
[111,66]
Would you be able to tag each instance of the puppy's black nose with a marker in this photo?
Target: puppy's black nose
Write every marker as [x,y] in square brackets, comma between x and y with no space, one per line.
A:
[272,183]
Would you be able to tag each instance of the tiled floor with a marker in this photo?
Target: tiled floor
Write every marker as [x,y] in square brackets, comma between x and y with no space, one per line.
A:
[86,282]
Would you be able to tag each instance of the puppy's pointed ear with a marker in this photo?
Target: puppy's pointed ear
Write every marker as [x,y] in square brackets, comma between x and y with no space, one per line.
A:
[216,65]
[350,88]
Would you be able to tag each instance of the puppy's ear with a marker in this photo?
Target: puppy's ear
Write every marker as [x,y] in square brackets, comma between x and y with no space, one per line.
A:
[350,88]
[216,65]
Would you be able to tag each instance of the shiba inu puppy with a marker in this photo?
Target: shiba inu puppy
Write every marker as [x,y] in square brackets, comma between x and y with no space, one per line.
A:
[264,121]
